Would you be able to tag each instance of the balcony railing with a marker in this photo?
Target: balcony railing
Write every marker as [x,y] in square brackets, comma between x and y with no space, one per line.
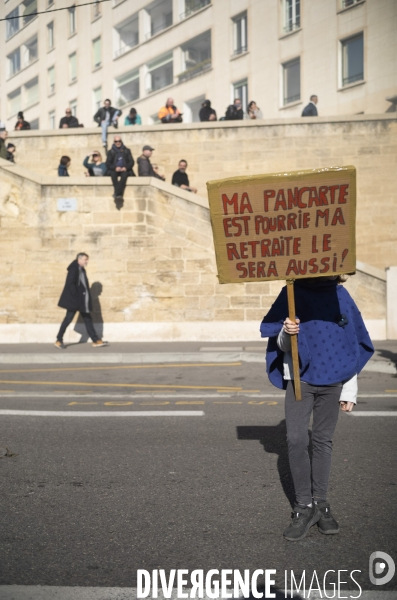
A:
[240,50]
[166,23]
[290,99]
[125,49]
[194,71]
[194,7]
[292,26]
[353,78]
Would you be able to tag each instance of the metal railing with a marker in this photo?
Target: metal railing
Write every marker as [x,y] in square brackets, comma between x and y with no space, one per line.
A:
[290,99]
[195,6]
[353,78]
[292,26]
[196,70]
[166,23]
[240,50]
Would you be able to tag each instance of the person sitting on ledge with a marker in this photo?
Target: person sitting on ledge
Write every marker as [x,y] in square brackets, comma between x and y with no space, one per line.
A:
[10,152]
[206,112]
[68,121]
[181,179]
[145,167]
[119,163]
[63,166]
[169,113]
[21,124]
[95,167]
[133,118]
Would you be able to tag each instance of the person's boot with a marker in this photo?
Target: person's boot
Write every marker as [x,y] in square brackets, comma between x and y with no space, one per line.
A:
[60,345]
[302,519]
[327,524]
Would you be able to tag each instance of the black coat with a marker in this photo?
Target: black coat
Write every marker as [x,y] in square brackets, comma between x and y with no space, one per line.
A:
[69,121]
[310,110]
[73,295]
[112,158]
[100,115]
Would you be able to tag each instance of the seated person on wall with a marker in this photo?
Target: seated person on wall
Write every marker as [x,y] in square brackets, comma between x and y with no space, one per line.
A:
[254,112]
[206,112]
[169,113]
[119,164]
[68,121]
[133,118]
[3,147]
[94,165]
[234,111]
[145,167]
[21,124]
[63,166]
[181,179]
[10,152]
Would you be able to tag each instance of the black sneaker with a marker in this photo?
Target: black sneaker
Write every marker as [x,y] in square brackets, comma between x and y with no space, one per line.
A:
[302,519]
[326,524]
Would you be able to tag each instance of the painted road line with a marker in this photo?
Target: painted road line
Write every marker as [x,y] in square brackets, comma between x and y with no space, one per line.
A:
[127,385]
[118,413]
[109,368]
[38,592]
[373,413]
[156,394]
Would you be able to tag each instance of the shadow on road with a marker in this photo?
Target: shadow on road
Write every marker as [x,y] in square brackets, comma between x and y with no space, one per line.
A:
[274,441]
[96,313]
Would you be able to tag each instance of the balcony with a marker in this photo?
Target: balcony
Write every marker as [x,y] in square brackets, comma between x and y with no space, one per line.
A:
[196,57]
[205,65]
[159,17]
[126,36]
[192,6]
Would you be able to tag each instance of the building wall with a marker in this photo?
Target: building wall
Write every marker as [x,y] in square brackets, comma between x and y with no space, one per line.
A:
[324,23]
[152,265]
[219,150]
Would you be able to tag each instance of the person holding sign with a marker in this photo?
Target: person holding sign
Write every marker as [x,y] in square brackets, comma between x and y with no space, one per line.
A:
[334,346]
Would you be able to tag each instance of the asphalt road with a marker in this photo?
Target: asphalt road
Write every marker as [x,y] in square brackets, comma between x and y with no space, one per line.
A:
[88,500]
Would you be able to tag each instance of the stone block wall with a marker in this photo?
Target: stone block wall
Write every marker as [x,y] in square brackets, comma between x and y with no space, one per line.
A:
[152,264]
[223,149]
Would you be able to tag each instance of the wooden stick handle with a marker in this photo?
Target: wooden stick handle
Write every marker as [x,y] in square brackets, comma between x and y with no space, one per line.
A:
[294,340]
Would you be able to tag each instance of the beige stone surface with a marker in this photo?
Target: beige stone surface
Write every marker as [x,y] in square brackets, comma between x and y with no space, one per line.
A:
[152,262]
[219,150]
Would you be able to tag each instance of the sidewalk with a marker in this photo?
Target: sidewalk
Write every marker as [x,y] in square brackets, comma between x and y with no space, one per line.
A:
[383,361]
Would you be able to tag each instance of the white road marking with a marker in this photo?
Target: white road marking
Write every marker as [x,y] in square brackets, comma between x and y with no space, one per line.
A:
[373,413]
[110,413]
[168,395]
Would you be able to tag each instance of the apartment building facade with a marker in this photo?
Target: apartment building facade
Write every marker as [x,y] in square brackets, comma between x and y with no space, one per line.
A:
[139,52]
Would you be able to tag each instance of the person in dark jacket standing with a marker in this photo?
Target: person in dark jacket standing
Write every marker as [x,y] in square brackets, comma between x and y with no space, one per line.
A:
[145,167]
[119,164]
[311,109]
[105,116]
[76,297]
[206,112]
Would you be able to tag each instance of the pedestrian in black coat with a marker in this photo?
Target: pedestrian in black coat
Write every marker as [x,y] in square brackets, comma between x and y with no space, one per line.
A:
[76,297]
[311,109]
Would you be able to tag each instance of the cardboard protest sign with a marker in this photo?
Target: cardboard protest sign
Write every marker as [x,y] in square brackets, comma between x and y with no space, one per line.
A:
[284,225]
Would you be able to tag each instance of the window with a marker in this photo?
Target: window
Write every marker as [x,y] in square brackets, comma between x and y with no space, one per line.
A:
[97,97]
[29,51]
[192,6]
[50,35]
[12,23]
[51,80]
[34,124]
[352,59]
[72,20]
[96,10]
[72,67]
[292,15]
[31,92]
[160,73]
[160,17]
[347,3]
[240,34]
[51,119]
[14,102]
[97,52]
[196,56]
[50,3]
[14,62]
[126,35]
[73,107]
[29,11]
[127,87]
[240,90]
[291,81]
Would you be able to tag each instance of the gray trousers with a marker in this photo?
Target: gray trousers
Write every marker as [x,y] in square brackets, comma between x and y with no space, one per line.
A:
[311,481]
